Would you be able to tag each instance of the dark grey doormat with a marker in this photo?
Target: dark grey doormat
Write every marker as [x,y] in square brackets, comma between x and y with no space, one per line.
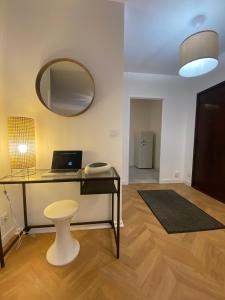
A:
[176,214]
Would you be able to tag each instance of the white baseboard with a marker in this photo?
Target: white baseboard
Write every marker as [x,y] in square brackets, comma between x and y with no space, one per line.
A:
[76,227]
[8,236]
[187,182]
[11,233]
[171,181]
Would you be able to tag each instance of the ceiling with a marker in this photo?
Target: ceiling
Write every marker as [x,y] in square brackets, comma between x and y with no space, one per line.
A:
[154,29]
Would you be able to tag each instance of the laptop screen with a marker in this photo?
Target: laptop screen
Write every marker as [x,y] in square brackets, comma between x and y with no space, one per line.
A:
[67,160]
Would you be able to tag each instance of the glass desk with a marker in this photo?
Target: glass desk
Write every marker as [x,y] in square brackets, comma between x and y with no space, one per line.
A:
[101,183]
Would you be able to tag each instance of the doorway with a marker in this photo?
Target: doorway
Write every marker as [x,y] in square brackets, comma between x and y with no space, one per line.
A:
[209,148]
[145,140]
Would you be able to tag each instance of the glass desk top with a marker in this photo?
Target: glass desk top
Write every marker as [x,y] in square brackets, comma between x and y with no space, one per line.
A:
[39,175]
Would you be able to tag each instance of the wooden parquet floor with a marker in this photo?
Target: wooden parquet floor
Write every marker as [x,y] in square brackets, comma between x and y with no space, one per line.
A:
[153,264]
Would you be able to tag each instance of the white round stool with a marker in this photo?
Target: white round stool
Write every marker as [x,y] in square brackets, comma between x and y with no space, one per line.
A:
[64,249]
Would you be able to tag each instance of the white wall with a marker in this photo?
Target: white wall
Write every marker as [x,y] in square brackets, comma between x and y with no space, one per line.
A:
[4,205]
[145,114]
[92,33]
[175,93]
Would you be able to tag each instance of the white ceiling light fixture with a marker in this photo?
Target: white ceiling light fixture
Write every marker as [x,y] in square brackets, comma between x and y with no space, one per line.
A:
[199,54]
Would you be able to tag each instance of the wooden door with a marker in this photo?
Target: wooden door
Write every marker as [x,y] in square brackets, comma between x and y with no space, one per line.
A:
[209,148]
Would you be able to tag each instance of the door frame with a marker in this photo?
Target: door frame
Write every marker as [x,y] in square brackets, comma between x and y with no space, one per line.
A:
[127,162]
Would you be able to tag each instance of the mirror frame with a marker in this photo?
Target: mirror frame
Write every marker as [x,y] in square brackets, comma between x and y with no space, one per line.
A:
[45,67]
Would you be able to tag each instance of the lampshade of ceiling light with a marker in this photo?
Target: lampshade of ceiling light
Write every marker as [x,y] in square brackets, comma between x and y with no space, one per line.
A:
[199,54]
[21,137]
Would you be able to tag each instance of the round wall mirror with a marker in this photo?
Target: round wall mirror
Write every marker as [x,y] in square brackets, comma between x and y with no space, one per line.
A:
[65,87]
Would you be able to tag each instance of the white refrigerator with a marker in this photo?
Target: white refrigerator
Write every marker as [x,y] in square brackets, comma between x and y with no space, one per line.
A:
[143,149]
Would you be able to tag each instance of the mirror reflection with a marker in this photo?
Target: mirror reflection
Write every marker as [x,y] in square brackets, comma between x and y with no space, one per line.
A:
[65,87]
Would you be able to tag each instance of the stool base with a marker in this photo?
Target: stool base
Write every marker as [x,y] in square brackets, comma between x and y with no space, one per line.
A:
[57,259]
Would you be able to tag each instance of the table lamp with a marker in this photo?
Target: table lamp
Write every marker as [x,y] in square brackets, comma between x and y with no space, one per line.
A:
[21,137]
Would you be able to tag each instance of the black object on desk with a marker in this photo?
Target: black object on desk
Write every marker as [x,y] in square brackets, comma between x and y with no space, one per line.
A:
[66,160]
[101,183]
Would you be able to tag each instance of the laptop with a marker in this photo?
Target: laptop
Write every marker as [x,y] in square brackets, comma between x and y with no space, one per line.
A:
[66,162]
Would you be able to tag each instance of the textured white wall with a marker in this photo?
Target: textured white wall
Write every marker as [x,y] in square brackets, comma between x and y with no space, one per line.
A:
[178,117]
[4,205]
[92,33]
[175,93]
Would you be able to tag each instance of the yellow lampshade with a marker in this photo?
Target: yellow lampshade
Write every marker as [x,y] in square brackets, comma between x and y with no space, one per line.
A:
[21,135]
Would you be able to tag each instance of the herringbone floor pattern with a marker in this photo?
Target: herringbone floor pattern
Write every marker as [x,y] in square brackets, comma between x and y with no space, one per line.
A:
[153,264]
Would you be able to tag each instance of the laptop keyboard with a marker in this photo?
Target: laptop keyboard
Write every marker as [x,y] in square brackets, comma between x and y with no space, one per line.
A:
[59,174]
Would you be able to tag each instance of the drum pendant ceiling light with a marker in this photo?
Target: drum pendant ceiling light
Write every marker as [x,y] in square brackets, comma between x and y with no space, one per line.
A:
[199,54]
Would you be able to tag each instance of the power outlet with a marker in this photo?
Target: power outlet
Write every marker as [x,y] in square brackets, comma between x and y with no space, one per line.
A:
[3,222]
[4,217]
[176,174]
[18,231]
[113,132]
